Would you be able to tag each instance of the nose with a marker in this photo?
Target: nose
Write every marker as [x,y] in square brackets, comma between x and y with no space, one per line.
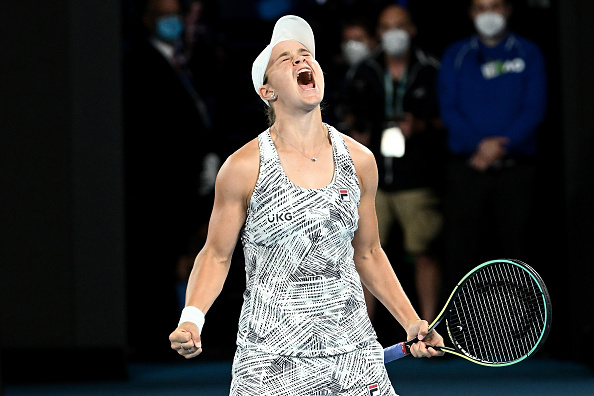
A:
[299,59]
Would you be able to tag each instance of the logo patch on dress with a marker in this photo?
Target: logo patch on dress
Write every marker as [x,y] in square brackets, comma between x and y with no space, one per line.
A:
[280,217]
[344,194]
[373,389]
[317,214]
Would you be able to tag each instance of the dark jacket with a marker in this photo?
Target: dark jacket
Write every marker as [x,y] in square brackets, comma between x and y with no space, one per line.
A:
[366,100]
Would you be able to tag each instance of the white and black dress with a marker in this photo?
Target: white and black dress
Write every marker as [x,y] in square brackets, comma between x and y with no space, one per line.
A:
[304,328]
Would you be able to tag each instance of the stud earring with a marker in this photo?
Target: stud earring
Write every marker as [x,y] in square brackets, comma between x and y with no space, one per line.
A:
[273,95]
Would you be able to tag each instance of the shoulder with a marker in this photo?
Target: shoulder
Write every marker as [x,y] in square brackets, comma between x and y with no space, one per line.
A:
[364,162]
[369,69]
[239,172]
[523,40]
[424,67]
[526,45]
[454,50]
[456,45]
[425,59]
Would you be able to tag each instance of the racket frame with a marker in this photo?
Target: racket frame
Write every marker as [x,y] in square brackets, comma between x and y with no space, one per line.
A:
[443,315]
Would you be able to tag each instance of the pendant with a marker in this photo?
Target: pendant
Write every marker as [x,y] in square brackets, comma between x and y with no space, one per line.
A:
[313,159]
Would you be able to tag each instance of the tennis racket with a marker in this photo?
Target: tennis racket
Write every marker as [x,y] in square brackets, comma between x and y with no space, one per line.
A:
[498,314]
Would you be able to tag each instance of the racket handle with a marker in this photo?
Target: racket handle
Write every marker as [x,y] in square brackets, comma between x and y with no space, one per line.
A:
[396,351]
[402,349]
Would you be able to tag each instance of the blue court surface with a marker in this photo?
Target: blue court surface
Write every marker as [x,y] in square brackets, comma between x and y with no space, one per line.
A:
[445,376]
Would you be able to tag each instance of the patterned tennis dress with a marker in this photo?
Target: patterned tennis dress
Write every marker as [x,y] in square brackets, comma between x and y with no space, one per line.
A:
[304,328]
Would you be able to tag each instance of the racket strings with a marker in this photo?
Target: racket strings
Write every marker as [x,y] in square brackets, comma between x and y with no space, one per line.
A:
[498,314]
[497,319]
[490,314]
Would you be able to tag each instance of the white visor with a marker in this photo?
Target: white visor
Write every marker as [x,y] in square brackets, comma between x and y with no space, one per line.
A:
[289,27]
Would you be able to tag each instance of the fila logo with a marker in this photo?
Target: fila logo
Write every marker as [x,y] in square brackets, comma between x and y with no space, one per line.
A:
[373,389]
[344,194]
[280,217]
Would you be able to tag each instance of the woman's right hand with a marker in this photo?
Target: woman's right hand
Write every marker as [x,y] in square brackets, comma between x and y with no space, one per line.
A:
[186,340]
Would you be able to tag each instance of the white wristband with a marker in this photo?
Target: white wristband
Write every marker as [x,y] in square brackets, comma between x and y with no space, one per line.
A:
[194,315]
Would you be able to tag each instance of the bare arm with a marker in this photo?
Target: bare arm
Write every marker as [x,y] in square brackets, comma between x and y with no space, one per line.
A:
[372,263]
[370,259]
[234,185]
[211,265]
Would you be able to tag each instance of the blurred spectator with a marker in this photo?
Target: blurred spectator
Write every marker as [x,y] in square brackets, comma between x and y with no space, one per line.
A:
[358,44]
[392,103]
[493,97]
[202,49]
[166,139]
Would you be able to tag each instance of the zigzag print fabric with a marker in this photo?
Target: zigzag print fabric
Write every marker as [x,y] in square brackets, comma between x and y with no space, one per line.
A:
[304,328]
[303,294]
[358,373]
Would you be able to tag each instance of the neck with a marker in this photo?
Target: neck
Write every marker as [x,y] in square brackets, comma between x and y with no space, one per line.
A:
[403,59]
[397,66]
[308,137]
[493,41]
[302,128]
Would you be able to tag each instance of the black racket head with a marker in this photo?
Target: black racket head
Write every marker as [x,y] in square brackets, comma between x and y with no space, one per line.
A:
[499,314]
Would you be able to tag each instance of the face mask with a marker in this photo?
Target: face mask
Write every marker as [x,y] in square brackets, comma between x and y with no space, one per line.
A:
[355,51]
[489,24]
[395,42]
[169,28]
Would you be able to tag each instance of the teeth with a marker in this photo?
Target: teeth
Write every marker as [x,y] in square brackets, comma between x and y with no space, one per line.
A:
[304,78]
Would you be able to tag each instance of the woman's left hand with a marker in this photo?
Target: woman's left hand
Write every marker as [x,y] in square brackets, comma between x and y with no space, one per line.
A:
[421,348]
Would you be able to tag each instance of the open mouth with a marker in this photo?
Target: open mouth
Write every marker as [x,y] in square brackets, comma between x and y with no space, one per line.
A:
[305,79]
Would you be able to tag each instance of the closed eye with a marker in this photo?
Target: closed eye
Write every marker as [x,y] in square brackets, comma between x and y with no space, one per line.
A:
[303,51]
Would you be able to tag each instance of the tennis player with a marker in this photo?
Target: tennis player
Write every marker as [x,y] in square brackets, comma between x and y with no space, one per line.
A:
[301,197]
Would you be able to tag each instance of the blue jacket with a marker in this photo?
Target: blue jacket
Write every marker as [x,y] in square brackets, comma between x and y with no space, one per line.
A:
[492,91]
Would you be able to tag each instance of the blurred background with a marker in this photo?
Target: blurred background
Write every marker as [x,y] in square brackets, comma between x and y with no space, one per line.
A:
[106,178]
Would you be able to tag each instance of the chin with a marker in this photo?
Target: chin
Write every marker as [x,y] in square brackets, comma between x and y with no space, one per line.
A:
[311,104]
[314,98]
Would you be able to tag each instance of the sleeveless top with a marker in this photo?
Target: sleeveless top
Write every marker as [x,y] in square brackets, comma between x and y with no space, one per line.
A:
[303,294]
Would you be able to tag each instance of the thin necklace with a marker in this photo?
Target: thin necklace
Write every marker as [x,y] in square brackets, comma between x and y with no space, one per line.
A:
[313,159]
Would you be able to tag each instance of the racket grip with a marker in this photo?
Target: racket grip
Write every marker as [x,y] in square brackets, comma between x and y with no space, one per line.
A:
[394,352]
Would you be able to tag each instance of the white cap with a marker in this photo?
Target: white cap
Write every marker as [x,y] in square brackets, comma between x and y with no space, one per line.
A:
[289,27]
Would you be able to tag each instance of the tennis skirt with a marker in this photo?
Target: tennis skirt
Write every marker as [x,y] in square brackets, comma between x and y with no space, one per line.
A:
[358,373]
